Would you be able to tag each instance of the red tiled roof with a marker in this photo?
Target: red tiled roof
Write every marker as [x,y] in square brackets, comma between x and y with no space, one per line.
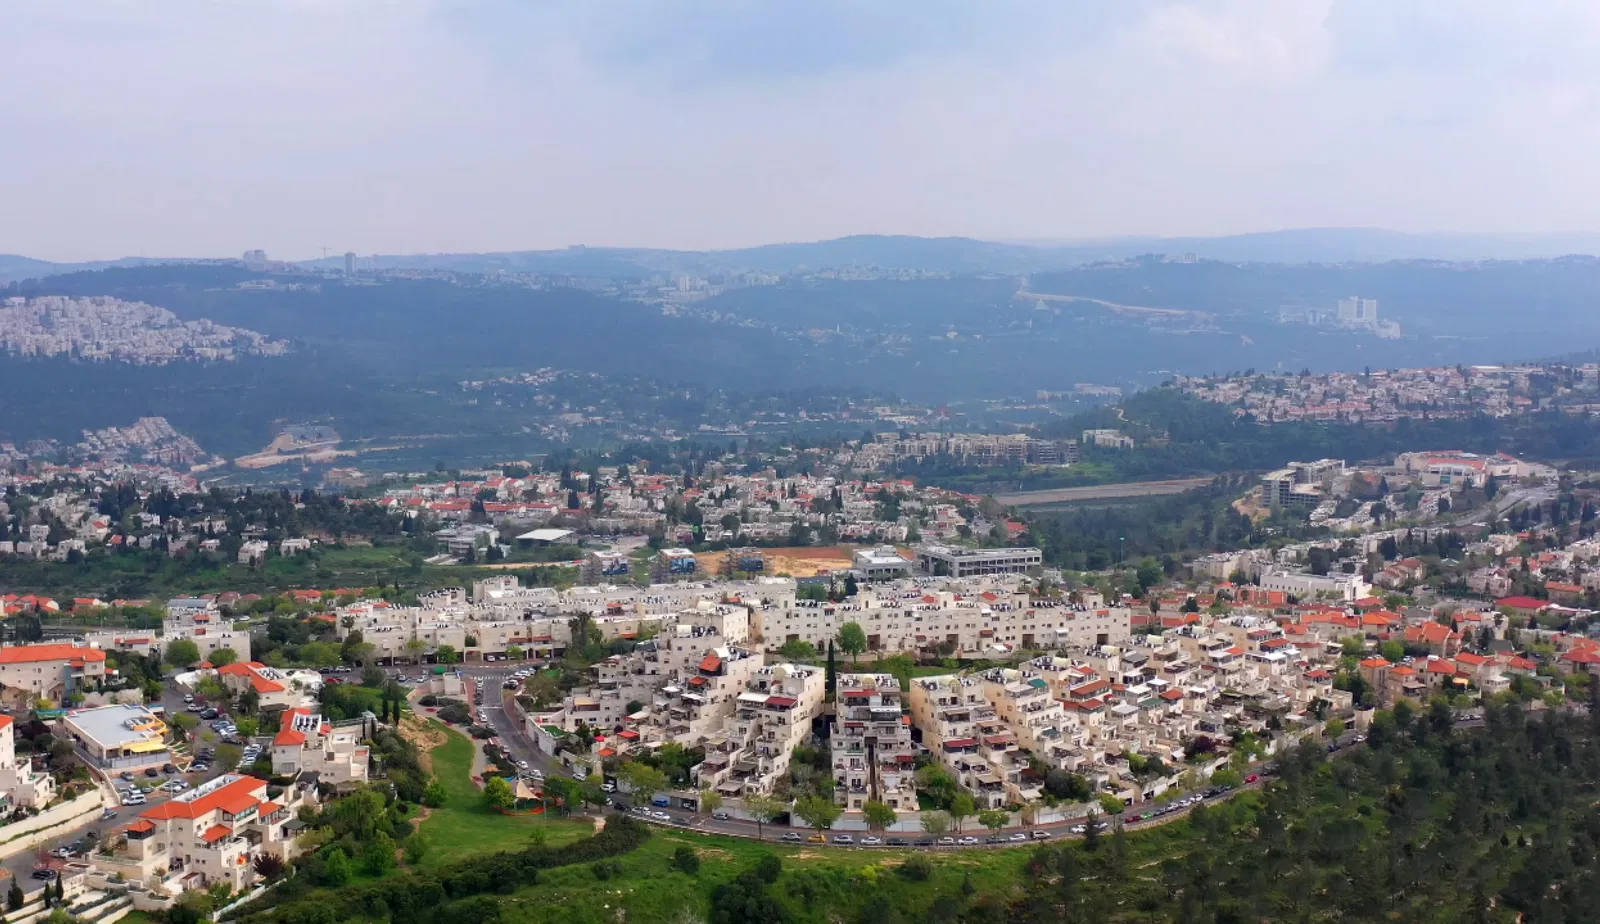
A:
[216,833]
[710,663]
[29,654]
[288,737]
[233,798]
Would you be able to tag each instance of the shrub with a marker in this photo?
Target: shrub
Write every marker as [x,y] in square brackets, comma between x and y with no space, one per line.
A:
[916,868]
[685,860]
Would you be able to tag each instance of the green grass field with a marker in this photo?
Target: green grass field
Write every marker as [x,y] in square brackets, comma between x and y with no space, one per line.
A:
[465,825]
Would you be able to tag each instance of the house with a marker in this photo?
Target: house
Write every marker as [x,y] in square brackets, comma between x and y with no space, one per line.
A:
[208,836]
[1437,638]
[50,670]
[270,684]
[119,737]
[1526,607]
[306,741]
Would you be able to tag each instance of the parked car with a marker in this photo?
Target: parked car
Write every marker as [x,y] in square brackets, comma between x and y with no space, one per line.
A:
[871,841]
[721,815]
[151,772]
[1041,835]
[126,775]
[843,839]
[947,842]
[925,842]
[816,839]
[1019,836]
[791,836]
[45,874]
[897,842]
[967,841]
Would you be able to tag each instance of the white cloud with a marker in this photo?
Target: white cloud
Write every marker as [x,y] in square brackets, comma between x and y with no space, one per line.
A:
[190,127]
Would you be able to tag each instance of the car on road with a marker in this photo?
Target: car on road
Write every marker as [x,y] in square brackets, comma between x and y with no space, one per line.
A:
[660,816]
[1251,778]
[897,842]
[994,839]
[967,841]
[188,697]
[843,839]
[871,841]
[522,765]
[1041,835]
[816,839]
[608,787]
[1019,836]
[45,874]
[925,842]
[61,853]
[791,836]
[108,814]
[126,775]
[947,842]
[1080,829]
[720,815]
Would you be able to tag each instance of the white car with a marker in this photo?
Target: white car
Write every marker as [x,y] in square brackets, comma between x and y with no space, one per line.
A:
[522,765]
[871,841]
[660,816]
[967,841]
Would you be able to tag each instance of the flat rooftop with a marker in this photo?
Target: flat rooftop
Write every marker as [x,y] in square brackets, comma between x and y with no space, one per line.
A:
[120,726]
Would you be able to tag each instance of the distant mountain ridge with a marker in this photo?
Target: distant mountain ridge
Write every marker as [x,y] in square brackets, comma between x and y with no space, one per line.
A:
[956,255]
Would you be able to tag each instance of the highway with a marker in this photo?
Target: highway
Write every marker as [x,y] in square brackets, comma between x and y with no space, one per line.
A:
[1101,491]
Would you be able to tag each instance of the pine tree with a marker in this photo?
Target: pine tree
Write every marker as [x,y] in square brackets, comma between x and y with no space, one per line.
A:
[831,678]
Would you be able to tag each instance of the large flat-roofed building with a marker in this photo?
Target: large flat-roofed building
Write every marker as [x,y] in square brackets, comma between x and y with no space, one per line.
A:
[959,562]
[51,670]
[120,737]
[880,564]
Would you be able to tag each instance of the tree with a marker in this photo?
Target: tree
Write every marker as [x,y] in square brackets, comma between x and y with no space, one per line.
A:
[685,860]
[336,868]
[183,652]
[514,653]
[1392,651]
[798,650]
[762,809]
[818,812]
[1334,728]
[14,896]
[852,640]
[961,808]
[879,815]
[497,793]
[644,780]
[228,756]
[994,819]
[1091,833]
[830,687]
[710,800]
[378,857]
[268,866]
[434,795]
[936,823]
[221,657]
[193,907]
[445,654]
[415,647]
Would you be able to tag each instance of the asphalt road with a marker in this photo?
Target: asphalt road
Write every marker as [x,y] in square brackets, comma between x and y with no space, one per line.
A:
[1102,491]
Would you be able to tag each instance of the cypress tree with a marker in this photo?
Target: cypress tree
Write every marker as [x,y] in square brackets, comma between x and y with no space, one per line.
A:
[831,684]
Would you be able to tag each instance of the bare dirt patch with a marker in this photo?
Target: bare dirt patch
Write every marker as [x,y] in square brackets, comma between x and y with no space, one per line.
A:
[426,738]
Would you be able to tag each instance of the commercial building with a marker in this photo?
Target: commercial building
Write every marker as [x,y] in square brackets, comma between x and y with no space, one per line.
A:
[671,565]
[882,563]
[120,737]
[961,562]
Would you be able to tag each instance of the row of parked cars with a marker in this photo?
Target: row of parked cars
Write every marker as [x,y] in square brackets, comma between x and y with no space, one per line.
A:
[872,840]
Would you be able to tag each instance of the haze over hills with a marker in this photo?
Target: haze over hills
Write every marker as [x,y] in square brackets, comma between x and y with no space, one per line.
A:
[942,255]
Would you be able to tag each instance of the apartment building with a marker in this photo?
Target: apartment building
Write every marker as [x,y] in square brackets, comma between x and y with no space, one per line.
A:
[871,749]
[51,670]
[973,620]
[964,733]
[772,717]
[307,742]
[210,835]
[20,784]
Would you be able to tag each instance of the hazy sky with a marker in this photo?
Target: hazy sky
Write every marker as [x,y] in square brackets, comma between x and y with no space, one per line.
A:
[201,127]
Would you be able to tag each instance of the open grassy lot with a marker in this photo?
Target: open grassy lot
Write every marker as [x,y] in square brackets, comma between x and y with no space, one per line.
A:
[465,825]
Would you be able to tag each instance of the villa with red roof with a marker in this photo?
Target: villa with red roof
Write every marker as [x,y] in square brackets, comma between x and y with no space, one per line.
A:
[210,835]
[50,670]
[307,741]
[270,684]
